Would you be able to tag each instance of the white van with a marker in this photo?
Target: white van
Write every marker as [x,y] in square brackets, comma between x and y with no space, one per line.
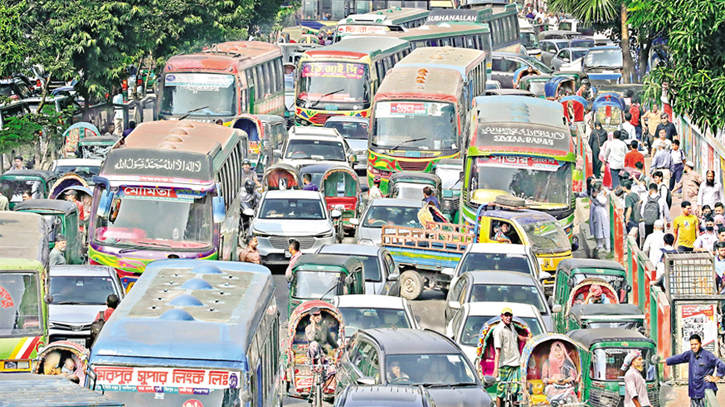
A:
[529,40]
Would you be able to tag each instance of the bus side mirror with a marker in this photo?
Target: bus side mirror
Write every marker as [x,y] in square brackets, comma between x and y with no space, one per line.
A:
[364,188]
[218,209]
[104,205]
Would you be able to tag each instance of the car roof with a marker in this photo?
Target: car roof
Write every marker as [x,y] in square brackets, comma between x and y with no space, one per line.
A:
[412,203]
[368,301]
[309,131]
[577,49]
[394,341]
[496,276]
[348,119]
[507,54]
[81,270]
[351,249]
[55,205]
[291,193]
[494,309]
[498,248]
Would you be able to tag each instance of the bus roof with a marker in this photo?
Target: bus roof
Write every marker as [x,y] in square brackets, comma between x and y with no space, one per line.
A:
[460,59]
[431,84]
[33,233]
[520,124]
[205,312]
[394,16]
[359,46]
[428,31]
[228,57]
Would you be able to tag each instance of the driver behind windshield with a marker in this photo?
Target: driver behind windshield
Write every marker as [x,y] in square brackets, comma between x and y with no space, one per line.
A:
[395,374]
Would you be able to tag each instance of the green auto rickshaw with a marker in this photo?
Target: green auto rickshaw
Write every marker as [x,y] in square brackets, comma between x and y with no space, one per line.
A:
[341,188]
[571,272]
[15,183]
[323,276]
[62,218]
[535,84]
[450,172]
[592,316]
[603,351]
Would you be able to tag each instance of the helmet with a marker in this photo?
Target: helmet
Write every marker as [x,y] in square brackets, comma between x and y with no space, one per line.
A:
[246,162]
[249,185]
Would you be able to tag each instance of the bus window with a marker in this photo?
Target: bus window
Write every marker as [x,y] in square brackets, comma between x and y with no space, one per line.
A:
[381,70]
[458,41]
[470,43]
[446,42]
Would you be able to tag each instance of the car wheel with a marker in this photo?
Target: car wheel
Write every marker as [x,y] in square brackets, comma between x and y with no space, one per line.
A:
[411,285]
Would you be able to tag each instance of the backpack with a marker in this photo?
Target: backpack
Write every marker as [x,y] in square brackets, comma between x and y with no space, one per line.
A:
[667,195]
[651,211]
[96,327]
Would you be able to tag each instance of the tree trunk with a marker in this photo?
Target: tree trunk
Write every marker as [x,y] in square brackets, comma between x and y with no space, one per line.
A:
[626,54]
[645,48]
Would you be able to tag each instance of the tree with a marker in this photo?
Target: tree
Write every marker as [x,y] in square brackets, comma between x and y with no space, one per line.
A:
[695,72]
[12,45]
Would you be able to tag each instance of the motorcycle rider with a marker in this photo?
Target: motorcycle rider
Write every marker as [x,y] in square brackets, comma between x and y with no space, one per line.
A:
[248,173]
[249,199]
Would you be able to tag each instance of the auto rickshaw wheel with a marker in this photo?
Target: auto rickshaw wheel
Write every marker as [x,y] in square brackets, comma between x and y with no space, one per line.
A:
[411,285]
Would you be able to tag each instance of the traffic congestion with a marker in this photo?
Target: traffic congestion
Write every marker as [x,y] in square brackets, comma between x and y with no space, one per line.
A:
[430,205]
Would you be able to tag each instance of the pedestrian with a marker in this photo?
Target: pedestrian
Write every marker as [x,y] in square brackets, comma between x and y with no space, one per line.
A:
[374,192]
[429,197]
[18,163]
[678,164]
[654,208]
[720,237]
[294,249]
[308,184]
[614,153]
[634,113]
[710,192]
[72,197]
[667,126]
[112,302]
[4,202]
[652,119]
[250,254]
[705,241]
[598,219]
[685,227]
[506,362]
[628,128]
[633,156]
[597,138]
[110,129]
[641,181]
[658,178]
[689,183]
[701,363]
[655,242]
[631,206]
[131,127]
[635,388]
[719,266]
[57,256]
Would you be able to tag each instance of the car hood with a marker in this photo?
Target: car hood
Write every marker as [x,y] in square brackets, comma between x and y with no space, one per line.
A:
[74,314]
[470,352]
[372,234]
[291,227]
[303,163]
[459,396]
[357,144]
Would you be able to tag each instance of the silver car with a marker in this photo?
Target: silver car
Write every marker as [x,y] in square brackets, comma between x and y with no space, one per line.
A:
[79,293]
[568,59]
[385,211]
[355,131]
[291,214]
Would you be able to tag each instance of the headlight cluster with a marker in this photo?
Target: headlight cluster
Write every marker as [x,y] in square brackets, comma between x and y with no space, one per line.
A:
[17,365]
[329,233]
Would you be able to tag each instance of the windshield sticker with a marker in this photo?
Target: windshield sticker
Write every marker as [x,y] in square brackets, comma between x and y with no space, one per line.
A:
[333,70]
[164,380]
[408,109]
[6,301]
[533,163]
[151,192]
[199,81]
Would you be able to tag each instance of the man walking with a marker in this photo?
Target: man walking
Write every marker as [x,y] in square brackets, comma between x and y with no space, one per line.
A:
[250,254]
[685,227]
[689,183]
[56,257]
[628,128]
[652,119]
[294,249]
[614,153]
[701,363]
[678,164]
[654,208]
[374,192]
[710,193]
[667,126]
[655,242]
[635,388]
[18,163]
[662,161]
[506,362]
[705,241]
[631,206]
[633,156]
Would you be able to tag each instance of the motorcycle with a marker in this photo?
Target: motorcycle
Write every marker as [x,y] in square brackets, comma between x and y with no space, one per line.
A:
[249,202]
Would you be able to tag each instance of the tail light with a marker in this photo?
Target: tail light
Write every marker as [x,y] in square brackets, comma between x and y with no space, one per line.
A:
[38,83]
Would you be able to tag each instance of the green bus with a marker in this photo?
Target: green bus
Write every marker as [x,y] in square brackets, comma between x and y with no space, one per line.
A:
[395,19]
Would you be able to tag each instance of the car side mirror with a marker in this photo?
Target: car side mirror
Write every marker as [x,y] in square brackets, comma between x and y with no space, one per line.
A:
[354,221]
[277,154]
[454,304]
[448,271]
[104,205]
[367,381]
[349,280]
[336,214]
[218,210]
[557,308]
[364,188]
[574,244]
[489,381]
[393,277]
[543,275]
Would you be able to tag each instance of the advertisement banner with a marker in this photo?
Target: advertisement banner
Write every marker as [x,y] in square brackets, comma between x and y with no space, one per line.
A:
[514,161]
[164,380]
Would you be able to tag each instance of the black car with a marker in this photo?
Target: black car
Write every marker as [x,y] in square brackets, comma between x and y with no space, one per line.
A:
[389,396]
[414,358]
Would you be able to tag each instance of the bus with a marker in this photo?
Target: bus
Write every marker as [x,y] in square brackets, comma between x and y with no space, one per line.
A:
[382,20]
[222,82]
[175,341]
[340,9]
[172,192]
[417,121]
[341,79]
[519,147]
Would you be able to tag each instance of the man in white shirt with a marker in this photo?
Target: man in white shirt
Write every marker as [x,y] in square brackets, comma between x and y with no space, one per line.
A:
[655,242]
[711,192]
[705,241]
[631,133]
[661,140]
[614,154]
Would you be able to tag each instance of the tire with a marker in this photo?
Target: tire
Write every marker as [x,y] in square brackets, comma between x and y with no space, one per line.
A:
[411,285]
[340,231]
[510,201]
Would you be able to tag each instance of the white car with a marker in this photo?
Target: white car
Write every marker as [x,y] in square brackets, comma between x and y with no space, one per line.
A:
[314,145]
[291,214]
[363,311]
[496,256]
[468,321]
[86,168]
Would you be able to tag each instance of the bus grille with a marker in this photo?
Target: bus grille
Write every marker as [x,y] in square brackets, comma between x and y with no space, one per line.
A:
[413,165]
[602,398]
[282,242]
[320,118]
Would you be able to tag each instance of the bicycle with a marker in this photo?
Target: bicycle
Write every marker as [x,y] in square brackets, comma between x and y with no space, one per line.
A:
[511,399]
[321,377]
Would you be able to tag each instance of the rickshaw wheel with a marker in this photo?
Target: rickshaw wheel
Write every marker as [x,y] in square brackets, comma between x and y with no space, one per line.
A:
[411,285]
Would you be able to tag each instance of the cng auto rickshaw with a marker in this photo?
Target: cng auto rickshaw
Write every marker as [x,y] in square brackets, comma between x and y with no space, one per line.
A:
[266,134]
[74,134]
[535,84]
[558,86]
[16,182]
[409,184]
[603,351]
[323,276]
[96,147]
[609,112]
[590,316]
[297,374]
[280,177]
[571,272]
[522,73]
[61,218]
[580,294]
[450,172]
[341,188]
[52,357]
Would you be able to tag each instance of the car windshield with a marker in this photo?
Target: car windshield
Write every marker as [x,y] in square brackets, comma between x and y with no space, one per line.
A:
[547,236]
[538,65]
[20,299]
[13,189]
[157,219]
[302,209]
[529,40]
[350,130]
[603,58]
[564,26]
[205,94]
[524,294]
[400,125]
[333,85]
[615,280]
[429,369]
[316,284]
[550,182]
[80,170]
[315,150]
[632,325]
[379,216]
[82,290]
[582,44]
[371,268]
[473,326]
[607,363]
[449,178]
[370,318]
[495,261]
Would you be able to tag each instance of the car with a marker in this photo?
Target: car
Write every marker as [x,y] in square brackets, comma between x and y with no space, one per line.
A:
[603,65]
[78,294]
[499,286]
[586,42]
[86,168]
[291,214]
[355,131]
[392,356]
[314,145]
[550,48]
[491,85]
[15,89]
[510,92]
[468,321]
[496,256]
[385,211]
[505,64]
[558,35]
[568,59]
[364,311]
[389,396]
[381,273]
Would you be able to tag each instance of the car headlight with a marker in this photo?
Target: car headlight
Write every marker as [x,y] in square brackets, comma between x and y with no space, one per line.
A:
[329,233]
[17,365]
[52,325]
[257,233]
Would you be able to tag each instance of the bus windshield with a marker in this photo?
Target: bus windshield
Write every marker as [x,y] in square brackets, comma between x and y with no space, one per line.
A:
[20,310]
[406,125]
[204,94]
[179,219]
[535,179]
[333,85]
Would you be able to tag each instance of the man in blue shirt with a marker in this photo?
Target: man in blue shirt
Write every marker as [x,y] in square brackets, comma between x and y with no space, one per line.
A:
[309,185]
[701,365]
[429,198]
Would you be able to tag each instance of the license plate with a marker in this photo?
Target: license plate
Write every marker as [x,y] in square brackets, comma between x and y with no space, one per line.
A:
[287,254]
[81,342]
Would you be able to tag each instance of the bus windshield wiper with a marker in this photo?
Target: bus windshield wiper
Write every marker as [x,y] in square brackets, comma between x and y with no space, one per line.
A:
[413,140]
[324,96]
[192,111]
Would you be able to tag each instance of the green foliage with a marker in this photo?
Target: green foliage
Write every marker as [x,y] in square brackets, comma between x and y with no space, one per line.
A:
[18,131]
[590,11]
[12,46]
[695,73]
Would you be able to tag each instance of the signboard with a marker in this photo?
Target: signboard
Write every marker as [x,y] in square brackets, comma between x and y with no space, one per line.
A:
[695,318]
[441,16]
[164,380]
[523,135]
[333,70]
[397,109]
[514,161]
[199,80]
[158,163]
[361,29]
[161,193]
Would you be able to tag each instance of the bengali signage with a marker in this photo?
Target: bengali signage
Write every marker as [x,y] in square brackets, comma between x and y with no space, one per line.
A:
[361,29]
[199,80]
[333,70]
[158,164]
[161,193]
[513,161]
[523,135]
[165,380]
